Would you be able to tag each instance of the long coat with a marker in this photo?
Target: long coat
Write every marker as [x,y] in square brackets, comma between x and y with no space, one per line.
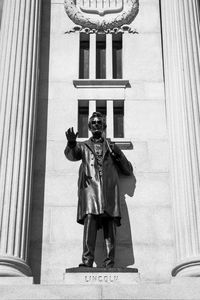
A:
[98,195]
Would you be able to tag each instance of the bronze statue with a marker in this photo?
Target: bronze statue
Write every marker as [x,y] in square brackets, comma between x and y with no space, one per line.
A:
[98,187]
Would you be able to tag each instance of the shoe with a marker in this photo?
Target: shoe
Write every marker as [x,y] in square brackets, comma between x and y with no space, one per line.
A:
[108,264]
[82,265]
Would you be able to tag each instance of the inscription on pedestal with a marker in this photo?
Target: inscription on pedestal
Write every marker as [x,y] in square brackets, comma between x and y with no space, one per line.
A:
[101,278]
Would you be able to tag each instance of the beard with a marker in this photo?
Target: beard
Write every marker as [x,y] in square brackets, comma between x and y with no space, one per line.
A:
[97,133]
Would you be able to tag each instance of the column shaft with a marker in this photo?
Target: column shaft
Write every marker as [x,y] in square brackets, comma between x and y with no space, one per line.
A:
[18,82]
[181,48]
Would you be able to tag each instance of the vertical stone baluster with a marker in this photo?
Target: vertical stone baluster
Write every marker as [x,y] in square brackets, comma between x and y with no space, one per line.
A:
[110,120]
[19,46]
[109,56]
[92,57]
[181,48]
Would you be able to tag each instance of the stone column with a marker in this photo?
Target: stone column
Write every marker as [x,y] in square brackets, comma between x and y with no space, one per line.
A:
[19,46]
[181,47]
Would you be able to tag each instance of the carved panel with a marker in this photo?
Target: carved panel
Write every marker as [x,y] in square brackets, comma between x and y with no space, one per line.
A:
[101,14]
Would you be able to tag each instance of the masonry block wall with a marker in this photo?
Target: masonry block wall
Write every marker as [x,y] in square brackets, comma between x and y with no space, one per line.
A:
[145,239]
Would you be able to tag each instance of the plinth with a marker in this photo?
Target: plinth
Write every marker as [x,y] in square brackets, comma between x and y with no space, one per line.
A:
[101,276]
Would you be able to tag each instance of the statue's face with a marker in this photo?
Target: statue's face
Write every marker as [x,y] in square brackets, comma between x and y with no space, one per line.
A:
[96,126]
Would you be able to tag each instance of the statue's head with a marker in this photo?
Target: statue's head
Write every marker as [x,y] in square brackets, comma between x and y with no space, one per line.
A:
[97,124]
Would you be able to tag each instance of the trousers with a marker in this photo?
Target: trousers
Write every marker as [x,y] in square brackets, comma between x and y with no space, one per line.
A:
[91,225]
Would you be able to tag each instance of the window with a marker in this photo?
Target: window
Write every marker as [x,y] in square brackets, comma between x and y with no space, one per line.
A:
[101,56]
[117,55]
[118,113]
[84,56]
[83,115]
[101,107]
[115,119]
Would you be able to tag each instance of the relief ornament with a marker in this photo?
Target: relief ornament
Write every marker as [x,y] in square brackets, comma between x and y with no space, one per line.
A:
[101,15]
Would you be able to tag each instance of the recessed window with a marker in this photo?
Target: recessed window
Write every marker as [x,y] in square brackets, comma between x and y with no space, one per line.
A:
[101,107]
[115,119]
[117,55]
[84,56]
[83,115]
[100,56]
[118,119]
[94,49]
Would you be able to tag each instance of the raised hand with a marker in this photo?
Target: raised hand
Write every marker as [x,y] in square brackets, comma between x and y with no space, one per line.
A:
[71,135]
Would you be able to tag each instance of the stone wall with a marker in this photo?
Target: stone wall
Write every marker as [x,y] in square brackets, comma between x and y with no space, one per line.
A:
[145,238]
[1,8]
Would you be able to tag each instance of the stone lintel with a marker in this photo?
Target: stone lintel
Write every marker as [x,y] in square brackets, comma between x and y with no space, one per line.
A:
[101,83]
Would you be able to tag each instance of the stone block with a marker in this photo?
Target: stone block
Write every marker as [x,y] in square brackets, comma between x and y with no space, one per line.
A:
[154,262]
[148,18]
[139,156]
[56,257]
[152,189]
[60,232]
[64,92]
[141,90]
[187,289]
[60,22]
[146,62]
[16,281]
[151,225]
[64,52]
[158,155]
[47,224]
[64,118]
[61,188]
[145,120]
[50,292]
[55,158]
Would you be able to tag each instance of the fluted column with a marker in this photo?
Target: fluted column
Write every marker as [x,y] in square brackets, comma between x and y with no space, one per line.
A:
[181,47]
[19,46]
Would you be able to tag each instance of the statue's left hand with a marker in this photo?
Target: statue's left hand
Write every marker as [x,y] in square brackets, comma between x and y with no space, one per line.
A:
[115,150]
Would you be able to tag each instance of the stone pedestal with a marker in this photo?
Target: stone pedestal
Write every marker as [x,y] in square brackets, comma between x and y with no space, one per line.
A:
[181,44]
[101,276]
[19,46]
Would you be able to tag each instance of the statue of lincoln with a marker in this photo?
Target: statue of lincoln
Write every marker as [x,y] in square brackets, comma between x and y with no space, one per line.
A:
[98,187]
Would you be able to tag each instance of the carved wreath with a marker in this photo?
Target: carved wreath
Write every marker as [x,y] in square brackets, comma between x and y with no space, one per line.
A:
[107,21]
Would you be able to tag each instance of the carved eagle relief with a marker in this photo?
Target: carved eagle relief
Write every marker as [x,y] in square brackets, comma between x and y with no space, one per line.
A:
[101,14]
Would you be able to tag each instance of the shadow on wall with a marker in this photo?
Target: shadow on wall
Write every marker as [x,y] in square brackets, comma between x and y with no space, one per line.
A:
[1,9]
[35,251]
[124,247]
